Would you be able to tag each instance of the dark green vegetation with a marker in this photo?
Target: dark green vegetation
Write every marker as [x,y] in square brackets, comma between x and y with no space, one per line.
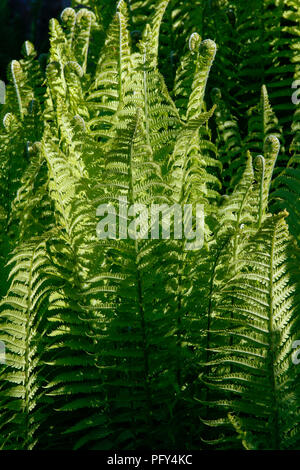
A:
[125,345]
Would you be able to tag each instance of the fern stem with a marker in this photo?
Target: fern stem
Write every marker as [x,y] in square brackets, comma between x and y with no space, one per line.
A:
[261,190]
[144,335]
[238,221]
[146,100]
[179,332]
[139,280]
[272,346]
[121,98]
[26,379]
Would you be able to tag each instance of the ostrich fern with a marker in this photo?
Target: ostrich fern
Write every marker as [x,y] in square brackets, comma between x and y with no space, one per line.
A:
[123,343]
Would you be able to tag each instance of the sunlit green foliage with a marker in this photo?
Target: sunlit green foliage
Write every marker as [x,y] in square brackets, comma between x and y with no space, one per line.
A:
[124,344]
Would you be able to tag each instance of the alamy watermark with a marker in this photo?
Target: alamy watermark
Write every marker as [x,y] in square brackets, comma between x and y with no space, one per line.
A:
[296,353]
[2,353]
[2,92]
[157,222]
[296,94]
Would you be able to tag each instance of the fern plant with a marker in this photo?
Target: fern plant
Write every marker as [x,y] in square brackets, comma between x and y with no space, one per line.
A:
[135,342]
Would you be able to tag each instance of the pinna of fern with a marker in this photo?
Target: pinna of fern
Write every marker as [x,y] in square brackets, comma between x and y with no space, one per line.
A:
[255,315]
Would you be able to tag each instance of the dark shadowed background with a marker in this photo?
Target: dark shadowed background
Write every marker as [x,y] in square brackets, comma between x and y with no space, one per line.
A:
[22,20]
